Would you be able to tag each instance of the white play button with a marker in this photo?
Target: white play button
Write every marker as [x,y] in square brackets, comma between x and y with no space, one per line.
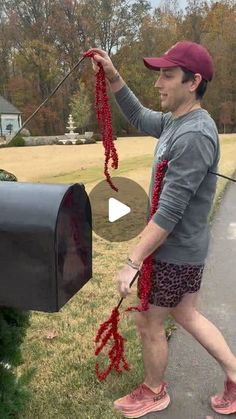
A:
[118,216]
[116,210]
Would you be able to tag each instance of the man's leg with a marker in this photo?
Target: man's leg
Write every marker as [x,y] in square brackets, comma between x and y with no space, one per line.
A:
[150,395]
[187,315]
[150,325]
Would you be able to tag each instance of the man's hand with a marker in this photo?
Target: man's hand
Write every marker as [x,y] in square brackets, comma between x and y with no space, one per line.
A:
[124,278]
[103,58]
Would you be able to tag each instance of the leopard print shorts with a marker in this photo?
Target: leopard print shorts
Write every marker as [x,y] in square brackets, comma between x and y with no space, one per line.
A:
[170,282]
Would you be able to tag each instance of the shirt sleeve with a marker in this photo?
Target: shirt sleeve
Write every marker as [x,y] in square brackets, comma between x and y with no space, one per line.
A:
[190,157]
[144,119]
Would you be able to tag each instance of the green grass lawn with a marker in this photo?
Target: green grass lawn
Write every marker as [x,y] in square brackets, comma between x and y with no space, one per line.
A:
[64,384]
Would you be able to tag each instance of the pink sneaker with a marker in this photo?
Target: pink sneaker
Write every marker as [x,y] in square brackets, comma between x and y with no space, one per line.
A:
[225,403]
[142,401]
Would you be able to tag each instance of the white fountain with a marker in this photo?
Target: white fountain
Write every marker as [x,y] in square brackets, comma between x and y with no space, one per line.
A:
[71,135]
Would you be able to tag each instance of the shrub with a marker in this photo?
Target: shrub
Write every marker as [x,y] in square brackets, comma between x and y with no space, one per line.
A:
[69,143]
[97,137]
[7,176]
[25,132]
[13,392]
[13,324]
[18,141]
[90,141]
[78,142]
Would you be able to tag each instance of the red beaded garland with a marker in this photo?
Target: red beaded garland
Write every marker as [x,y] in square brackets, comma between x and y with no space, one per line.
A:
[104,120]
[145,278]
[109,329]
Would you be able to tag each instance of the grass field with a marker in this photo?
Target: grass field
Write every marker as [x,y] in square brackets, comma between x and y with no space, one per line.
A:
[64,385]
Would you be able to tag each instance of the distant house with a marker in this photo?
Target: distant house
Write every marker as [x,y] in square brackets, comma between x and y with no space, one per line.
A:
[10,117]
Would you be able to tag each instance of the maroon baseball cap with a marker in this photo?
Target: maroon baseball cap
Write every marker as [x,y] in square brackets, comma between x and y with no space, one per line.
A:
[194,57]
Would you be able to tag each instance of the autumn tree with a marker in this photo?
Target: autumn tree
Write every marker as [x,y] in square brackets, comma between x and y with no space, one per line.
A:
[219,36]
[40,41]
[107,22]
[195,14]
[80,106]
[227,114]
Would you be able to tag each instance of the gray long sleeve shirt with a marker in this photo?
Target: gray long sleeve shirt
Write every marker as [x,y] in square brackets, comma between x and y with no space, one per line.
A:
[190,143]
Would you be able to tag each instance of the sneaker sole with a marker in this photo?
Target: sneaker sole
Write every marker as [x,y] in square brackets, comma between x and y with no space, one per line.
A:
[139,413]
[224,410]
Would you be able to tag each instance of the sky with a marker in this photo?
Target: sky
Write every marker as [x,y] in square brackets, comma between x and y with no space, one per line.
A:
[182,3]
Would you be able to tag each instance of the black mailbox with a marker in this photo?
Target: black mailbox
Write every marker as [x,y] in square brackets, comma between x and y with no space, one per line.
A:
[45,244]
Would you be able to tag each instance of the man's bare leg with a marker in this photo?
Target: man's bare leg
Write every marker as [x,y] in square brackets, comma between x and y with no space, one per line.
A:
[187,315]
[150,326]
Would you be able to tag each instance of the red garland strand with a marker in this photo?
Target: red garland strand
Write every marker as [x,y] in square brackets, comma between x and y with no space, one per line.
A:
[145,278]
[104,120]
[109,329]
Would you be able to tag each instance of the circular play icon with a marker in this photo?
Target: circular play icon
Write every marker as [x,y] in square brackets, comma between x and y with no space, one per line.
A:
[118,216]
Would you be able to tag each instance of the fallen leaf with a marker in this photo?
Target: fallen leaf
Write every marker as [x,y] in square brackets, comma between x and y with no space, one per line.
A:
[51,334]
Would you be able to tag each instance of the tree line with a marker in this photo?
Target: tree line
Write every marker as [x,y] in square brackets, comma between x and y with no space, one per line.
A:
[41,40]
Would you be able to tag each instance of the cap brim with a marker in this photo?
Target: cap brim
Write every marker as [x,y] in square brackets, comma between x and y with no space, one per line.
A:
[158,63]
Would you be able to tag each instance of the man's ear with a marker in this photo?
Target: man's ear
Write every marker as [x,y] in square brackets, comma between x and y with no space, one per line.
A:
[195,82]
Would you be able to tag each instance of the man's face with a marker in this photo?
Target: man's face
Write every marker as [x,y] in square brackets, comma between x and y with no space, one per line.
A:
[173,93]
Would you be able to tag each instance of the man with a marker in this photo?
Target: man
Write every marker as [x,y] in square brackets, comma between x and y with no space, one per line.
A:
[177,234]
